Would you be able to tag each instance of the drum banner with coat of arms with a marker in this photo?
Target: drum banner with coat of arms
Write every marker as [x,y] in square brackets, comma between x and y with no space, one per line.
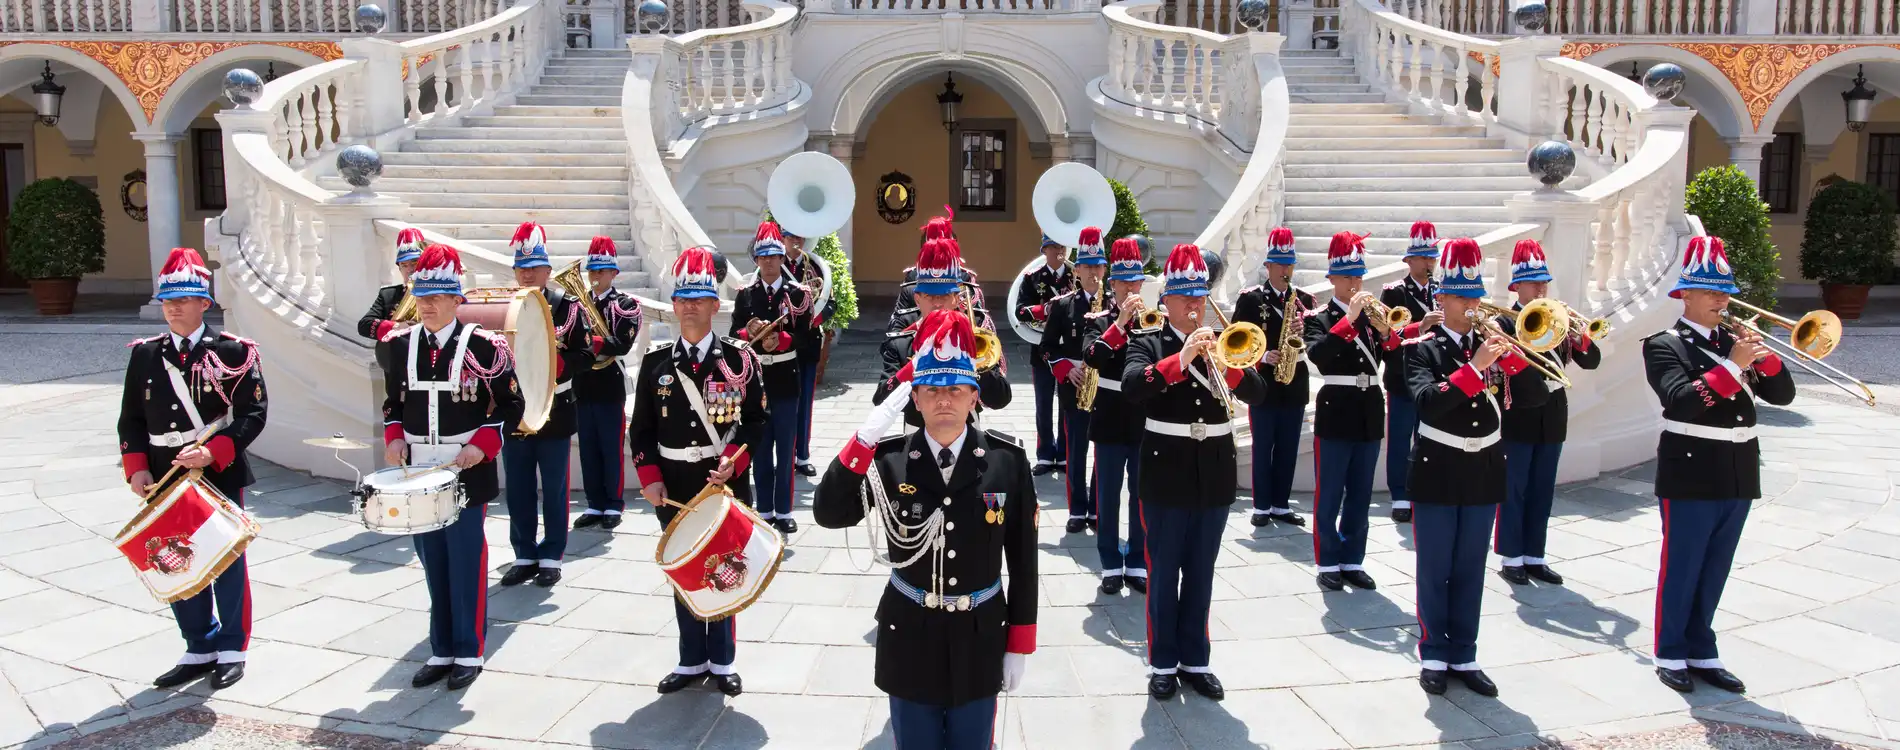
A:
[719,557]
[181,541]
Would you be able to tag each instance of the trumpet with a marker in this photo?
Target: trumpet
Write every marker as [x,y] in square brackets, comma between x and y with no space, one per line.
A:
[1540,318]
[1810,340]
[1385,318]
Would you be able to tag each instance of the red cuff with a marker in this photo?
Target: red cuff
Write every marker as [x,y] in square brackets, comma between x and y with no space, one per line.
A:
[1514,363]
[1022,639]
[1170,369]
[904,373]
[1583,343]
[1392,340]
[223,452]
[488,441]
[738,464]
[1234,374]
[1115,337]
[1038,312]
[784,342]
[383,327]
[1062,368]
[1769,365]
[1466,379]
[1345,329]
[857,455]
[1722,382]
[392,432]
[595,344]
[134,463]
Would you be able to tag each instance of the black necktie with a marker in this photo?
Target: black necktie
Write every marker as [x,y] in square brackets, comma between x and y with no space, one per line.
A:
[945,458]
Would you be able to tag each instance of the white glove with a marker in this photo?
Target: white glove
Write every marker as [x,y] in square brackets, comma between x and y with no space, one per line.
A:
[1014,665]
[885,414]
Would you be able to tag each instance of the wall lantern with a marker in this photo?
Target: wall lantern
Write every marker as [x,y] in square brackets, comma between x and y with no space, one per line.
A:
[46,96]
[948,101]
[1859,99]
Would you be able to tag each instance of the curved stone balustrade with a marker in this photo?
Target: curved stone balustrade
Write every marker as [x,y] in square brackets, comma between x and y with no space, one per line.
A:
[1425,65]
[1202,77]
[234,16]
[480,61]
[1256,205]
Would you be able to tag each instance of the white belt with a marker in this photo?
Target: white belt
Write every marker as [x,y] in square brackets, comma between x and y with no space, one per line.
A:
[1109,385]
[773,359]
[1195,431]
[1362,381]
[691,455]
[186,437]
[1725,434]
[1466,444]
[460,438]
[564,387]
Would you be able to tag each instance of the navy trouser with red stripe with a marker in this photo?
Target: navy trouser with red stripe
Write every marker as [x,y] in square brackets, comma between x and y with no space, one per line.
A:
[1451,542]
[1075,442]
[1699,541]
[772,469]
[601,428]
[704,646]
[523,460]
[926,726]
[1182,546]
[455,567]
[217,620]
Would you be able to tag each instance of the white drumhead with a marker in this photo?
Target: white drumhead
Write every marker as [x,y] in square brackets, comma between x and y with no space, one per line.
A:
[533,345]
[694,529]
[407,479]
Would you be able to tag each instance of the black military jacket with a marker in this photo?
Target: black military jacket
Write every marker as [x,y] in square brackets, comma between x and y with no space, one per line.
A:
[935,656]
[1456,400]
[759,302]
[1182,471]
[1550,422]
[1347,412]
[1694,387]
[490,404]
[380,309]
[1066,334]
[663,416]
[1417,298]
[1117,419]
[218,368]
[1040,286]
[609,384]
[992,385]
[1262,306]
[805,271]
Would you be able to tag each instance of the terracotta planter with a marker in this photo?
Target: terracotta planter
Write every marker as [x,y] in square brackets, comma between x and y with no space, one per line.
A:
[1845,300]
[55,296]
[824,355]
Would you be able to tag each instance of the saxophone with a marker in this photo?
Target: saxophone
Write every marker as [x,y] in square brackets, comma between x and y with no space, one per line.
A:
[1091,380]
[1292,347]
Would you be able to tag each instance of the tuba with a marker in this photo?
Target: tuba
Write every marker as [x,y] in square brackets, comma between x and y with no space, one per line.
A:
[810,194]
[1292,347]
[1032,331]
[1070,197]
[571,281]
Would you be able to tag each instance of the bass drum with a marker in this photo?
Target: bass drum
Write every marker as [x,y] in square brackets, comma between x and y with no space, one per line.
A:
[522,316]
[1030,333]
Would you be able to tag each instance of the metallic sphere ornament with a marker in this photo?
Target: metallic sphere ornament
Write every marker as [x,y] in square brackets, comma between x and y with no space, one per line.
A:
[371,19]
[1252,14]
[1216,266]
[242,86]
[651,15]
[1532,16]
[721,268]
[1664,81]
[1147,248]
[1551,162]
[360,165]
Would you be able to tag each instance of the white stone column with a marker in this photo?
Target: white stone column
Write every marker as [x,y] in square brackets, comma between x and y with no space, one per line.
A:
[355,259]
[1082,149]
[605,20]
[1296,22]
[1745,153]
[162,229]
[379,95]
[841,148]
[1520,76]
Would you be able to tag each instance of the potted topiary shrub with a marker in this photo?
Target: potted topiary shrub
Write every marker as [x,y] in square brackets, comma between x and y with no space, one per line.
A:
[1128,218]
[1848,244]
[1730,207]
[56,233]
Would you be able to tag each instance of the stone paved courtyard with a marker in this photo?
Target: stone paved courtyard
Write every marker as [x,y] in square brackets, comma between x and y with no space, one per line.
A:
[1811,618]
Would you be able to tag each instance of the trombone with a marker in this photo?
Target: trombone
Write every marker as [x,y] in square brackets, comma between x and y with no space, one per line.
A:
[1541,326]
[1810,340]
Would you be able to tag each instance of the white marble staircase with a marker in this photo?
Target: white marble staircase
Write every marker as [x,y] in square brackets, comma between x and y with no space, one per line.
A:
[1357,163]
[557,155]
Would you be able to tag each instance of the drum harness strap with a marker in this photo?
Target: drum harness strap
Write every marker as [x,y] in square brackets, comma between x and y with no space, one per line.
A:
[698,403]
[435,388]
[176,439]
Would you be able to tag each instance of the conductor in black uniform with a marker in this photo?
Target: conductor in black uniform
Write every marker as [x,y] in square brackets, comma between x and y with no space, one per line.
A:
[1277,419]
[377,324]
[1708,460]
[1040,285]
[939,266]
[950,632]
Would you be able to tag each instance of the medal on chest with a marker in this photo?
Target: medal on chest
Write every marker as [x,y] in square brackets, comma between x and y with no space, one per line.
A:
[993,506]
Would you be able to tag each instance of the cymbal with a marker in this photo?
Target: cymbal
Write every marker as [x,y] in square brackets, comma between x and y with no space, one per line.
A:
[336,442]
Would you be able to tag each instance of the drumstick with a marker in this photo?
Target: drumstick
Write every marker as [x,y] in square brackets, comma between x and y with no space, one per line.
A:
[709,490]
[168,474]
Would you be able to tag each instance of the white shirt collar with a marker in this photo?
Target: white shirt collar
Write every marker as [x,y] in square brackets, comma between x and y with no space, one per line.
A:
[441,337]
[699,348]
[955,446]
[184,344]
[1340,304]
[773,285]
[1707,333]
[1268,283]
[1456,337]
[1058,270]
[1177,332]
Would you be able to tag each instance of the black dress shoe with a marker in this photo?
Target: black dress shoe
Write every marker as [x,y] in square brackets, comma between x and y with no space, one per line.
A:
[1290,519]
[1062,466]
[1042,467]
[1161,687]
[786,525]
[1260,519]
[1545,574]
[1433,681]
[462,676]
[519,574]
[1720,678]
[1358,579]
[1330,580]
[675,682]
[1077,524]
[729,684]
[1401,515]
[807,470]
[1206,684]
[228,674]
[1138,583]
[1112,585]
[547,577]
[1094,523]
[1476,681]
[1515,574]
[430,674]
[1677,679]
[610,521]
[182,674]
[587,520]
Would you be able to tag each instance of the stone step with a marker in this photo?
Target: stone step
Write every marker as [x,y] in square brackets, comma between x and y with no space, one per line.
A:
[1316,155]
[1340,143]
[452,156]
[1314,62]
[1397,211]
[520,111]
[588,55]
[465,146]
[564,100]
[1296,87]
[1375,246]
[1393,188]
[1352,119]
[1300,80]
[591,216]
[569,249]
[490,231]
[586,177]
[1382,172]
[1316,259]
[1396,228]
[609,78]
[1347,197]
[1309,54]
[543,89]
[508,201]
[1346,108]
[512,184]
[513,121]
[1299,98]
[593,134]
[1407,132]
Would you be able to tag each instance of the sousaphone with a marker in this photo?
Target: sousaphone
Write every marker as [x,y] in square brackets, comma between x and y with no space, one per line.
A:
[1068,198]
[811,195]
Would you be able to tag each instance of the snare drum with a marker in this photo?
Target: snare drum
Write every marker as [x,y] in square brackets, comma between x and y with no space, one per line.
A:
[719,556]
[406,500]
[184,538]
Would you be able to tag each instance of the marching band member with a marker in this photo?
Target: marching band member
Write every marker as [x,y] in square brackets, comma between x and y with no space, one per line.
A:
[449,395]
[1534,435]
[1187,473]
[377,324]
[1276,420]
[178,386]
[948,634]
[776,311]
[1349,418]
[542,456]
[1116,426]
[939,266]
[1708,461]
[600,396]
[803,268]
[937,228]
[1458,467]
[1414,293]
[715,385]
[1045,283]
[1070,322]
